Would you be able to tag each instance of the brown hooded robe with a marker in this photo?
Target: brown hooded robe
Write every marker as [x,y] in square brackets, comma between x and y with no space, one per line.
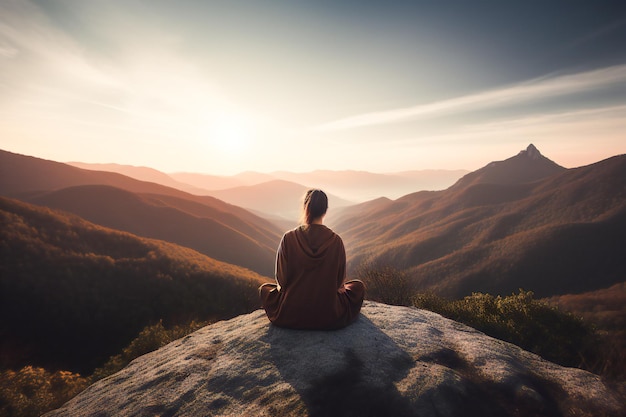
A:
[310,292]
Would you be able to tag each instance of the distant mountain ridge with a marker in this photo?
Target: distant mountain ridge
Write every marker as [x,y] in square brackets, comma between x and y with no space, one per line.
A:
[360,186]
[348,185]
[142,174]
[563,233]
[278,198]
[24,175]
[213,226]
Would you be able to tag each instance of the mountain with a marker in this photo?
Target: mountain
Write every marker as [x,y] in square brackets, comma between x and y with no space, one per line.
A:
[22,175]
[393,361]
[349,217]
[362,186]
[213,225]
[273,198]
[551,230]
[221,182]
[143,174]
[527,166]
[348,185]
[187,223]
[73,293]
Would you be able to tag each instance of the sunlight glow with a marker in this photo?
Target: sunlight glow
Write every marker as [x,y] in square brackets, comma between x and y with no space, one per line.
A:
[230,134]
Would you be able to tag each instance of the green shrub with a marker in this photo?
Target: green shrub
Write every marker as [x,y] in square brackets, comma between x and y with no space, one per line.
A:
[524,321]
[32,391]
[386,284]
[149,339]
[611,359]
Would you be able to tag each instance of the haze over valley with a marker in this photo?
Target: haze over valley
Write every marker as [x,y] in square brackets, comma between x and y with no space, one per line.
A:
[345,187]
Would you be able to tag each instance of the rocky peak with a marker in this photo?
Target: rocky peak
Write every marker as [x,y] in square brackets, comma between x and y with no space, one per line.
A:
[531,152]
[528,165]
[395,361]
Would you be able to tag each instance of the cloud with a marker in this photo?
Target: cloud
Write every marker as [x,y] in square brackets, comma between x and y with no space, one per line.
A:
[53,68]
[45,51]
[599,33]
[7,51]
[537,89]
[581,125]
[566,135]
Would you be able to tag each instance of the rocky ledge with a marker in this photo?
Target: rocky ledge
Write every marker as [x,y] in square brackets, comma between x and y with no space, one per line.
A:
[393,361]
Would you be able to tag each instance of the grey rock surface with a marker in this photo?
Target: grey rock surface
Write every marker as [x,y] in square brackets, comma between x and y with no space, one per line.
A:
[393,361]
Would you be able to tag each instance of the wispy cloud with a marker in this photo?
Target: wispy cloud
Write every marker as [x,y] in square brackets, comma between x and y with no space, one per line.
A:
[7,51]
[143,83]
[532,90]
[576,125]
[599,33]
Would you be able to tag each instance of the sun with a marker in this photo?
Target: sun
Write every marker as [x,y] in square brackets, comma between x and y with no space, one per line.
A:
[230,134]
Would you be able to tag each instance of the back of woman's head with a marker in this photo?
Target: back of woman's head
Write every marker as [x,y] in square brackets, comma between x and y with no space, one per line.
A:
[314,206]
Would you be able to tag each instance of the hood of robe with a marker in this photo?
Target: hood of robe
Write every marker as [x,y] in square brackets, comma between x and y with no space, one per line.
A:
[314,240]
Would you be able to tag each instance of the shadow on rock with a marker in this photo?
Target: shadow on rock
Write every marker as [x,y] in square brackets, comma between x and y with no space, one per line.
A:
[347,372]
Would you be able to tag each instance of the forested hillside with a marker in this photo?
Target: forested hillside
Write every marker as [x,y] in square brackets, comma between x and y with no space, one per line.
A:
[215,233]
[73,293]
[565,233]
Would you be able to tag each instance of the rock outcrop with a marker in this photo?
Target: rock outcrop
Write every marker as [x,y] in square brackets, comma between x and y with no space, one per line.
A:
[393,361]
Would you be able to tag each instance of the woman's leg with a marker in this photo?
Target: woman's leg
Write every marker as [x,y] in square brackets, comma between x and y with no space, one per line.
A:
[270,300]
[355,289]
[355,292]
[264,291]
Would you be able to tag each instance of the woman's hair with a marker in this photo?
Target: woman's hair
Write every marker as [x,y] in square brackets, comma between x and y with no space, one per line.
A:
[314,206]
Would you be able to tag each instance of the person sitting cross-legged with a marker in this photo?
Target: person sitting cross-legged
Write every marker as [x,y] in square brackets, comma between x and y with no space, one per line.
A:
[310,290]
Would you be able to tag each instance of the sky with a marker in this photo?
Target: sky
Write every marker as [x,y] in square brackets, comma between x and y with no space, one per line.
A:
[222,87]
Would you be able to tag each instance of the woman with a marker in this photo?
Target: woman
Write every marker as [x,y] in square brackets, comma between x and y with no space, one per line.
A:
[310,292]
